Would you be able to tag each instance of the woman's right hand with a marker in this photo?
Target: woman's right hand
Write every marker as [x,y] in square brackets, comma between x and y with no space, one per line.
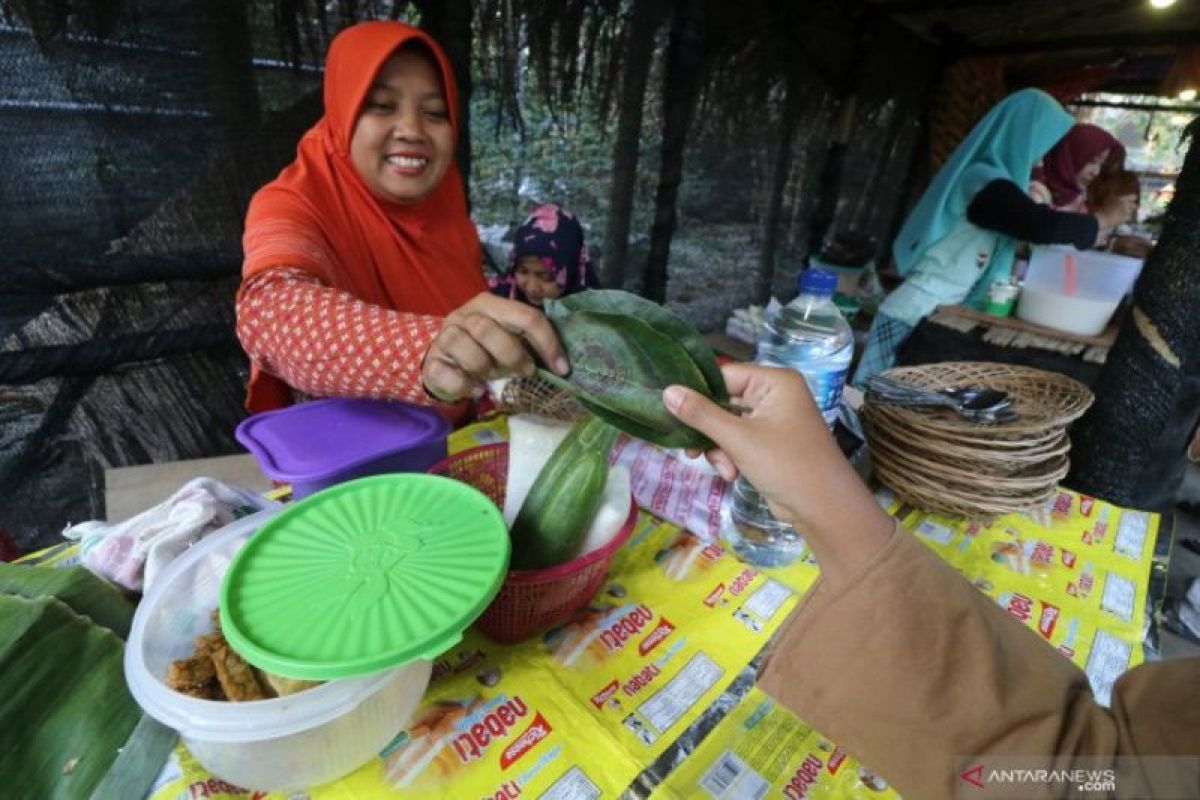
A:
[1116,211]
[488,337]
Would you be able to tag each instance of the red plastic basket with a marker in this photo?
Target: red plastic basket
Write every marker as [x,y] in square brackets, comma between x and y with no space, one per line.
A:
[531,600]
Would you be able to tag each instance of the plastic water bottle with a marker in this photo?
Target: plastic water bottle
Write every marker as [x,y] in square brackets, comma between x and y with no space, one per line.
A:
[811,336]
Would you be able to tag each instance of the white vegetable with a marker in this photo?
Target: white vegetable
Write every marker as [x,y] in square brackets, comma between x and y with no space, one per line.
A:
[613,511]
[531,440]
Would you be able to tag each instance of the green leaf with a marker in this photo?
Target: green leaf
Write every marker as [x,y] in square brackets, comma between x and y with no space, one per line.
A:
[84,592]
[65,711]
[134,771]
[619,367]
[660,319]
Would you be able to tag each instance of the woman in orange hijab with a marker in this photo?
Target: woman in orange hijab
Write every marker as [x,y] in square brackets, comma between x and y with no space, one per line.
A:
[363,273]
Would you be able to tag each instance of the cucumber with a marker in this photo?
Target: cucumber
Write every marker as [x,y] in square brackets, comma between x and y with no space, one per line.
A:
[564,497]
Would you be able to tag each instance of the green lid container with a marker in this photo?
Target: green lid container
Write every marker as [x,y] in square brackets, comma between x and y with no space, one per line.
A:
[365,576]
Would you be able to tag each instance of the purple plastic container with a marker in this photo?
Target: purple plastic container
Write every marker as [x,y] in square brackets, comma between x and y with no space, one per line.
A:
[317,444]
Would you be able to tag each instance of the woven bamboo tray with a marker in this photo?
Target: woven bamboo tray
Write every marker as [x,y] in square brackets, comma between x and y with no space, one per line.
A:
[900,436]
[1044,400]
[999,476]
[938,461]
[997,488]
[991,437]
[948,500]
[968,470]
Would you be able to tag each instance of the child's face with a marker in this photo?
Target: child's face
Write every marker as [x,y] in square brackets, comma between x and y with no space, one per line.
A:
[536,280]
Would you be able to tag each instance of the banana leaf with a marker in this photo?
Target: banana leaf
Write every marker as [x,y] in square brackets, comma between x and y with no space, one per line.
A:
[140,762]
[660,319]
[621,360]
[84,592]
[65,711]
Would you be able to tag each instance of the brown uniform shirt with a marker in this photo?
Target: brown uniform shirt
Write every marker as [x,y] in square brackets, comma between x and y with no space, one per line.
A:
[911,669]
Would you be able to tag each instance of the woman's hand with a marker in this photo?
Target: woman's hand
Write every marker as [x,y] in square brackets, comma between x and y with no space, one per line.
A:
[1116,211]
[488,337]
[781,444]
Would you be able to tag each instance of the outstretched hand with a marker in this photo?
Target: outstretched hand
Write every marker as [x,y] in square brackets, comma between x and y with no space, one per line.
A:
[780,443]
[488,337]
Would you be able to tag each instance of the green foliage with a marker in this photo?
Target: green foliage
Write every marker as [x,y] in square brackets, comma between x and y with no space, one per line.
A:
[562,157]
[1153,140]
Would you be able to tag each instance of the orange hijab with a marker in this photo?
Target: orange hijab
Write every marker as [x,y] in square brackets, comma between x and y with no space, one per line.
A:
[424,258]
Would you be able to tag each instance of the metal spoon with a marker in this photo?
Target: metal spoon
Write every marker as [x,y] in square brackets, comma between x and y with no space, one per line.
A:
[968,401]
[978,398]
[994,416]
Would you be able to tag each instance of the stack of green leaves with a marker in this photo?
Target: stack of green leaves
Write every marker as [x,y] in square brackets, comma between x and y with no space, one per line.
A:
[624,350]
[68,725]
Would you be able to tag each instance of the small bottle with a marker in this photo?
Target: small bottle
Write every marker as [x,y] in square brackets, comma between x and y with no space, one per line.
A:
[811,336]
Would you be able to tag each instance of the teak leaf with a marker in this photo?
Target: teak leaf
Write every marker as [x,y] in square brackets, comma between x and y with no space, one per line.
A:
[658,318]
[624,350]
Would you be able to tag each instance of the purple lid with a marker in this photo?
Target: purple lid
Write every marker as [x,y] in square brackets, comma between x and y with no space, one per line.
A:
[320,439]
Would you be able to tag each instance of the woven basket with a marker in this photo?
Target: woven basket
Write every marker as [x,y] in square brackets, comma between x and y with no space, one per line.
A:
[905,477]
[949,500]
[990,437]
[535,395]
[998,473]
[962,455]
[938,461]
[532,600]
[1045,401]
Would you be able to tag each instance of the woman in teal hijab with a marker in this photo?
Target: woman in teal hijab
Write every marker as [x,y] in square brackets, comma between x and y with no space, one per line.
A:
[962,234]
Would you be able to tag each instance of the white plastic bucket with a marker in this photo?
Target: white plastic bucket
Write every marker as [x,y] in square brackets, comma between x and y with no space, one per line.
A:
[285,743]
[1101,280]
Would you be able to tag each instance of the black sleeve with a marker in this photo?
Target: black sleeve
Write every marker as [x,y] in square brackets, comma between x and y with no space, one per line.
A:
[1002,207]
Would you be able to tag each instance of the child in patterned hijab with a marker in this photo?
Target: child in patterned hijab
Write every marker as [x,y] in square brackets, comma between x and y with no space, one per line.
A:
[549,259]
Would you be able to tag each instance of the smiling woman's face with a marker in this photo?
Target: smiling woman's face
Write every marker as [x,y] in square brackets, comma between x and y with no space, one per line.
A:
[403,142]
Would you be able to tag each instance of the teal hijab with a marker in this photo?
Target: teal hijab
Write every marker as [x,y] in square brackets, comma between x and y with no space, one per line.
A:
[1007,143]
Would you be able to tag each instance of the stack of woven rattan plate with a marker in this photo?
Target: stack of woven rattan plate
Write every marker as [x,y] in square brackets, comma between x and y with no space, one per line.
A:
[939,461]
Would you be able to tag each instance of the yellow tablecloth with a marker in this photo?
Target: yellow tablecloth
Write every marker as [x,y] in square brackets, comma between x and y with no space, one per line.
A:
[582,711]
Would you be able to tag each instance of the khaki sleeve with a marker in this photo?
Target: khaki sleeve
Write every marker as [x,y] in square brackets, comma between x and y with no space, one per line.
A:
[911,669]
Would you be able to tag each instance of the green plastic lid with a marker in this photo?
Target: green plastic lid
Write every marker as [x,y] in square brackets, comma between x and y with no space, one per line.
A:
[364,576]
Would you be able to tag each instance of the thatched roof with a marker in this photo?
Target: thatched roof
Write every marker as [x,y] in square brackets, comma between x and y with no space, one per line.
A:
[1132,41]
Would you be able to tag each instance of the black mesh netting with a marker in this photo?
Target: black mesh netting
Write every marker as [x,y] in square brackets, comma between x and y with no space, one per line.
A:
[131,145]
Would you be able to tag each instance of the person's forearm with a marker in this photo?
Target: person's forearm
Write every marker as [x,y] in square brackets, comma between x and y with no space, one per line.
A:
[910,669]
[1002,207]
[325,343]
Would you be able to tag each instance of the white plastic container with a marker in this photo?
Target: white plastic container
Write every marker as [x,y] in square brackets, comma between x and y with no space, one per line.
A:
[281,744]
[1101,280]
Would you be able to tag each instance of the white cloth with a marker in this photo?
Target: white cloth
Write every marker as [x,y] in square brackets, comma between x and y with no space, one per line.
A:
[132,553]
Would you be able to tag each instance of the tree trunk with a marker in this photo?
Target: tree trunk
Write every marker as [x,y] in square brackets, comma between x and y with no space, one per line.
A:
[639,50]
[229,69]
[449,23]
[680,86]
[1130,447]
[781,171]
